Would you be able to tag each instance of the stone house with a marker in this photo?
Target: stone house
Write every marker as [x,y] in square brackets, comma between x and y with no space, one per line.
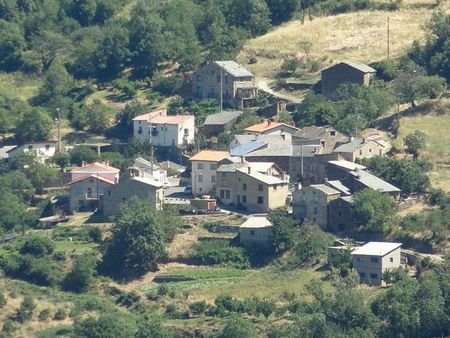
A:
[165,130]
[345,72]
[141,187]
[341,216]
[255,187]
[216,124]
[326,136]
[359,148]
[143,168]
[227,81]
[256,231]
[374,258]
[204,167]
[86,191]
[312,203]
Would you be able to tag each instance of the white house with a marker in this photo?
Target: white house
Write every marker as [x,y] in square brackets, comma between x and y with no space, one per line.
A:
[43,149]
[204,168]
[164,130]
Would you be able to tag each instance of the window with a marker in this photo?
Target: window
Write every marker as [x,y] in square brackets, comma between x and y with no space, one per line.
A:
[380,152]
[374,276]
[222,194]
[162,128]
[213,179]
[213,166]
[91,180]
[333,133]
[109,193]
[260,200]
[239,179]
[30,147]
[224,175]
[124,199]
[275,187]
[391,259]
[140,130]
[218,78]
[373,259]
[360,259]
[47,147]
[244,199]
[200,166]
[186,131]
[260,187]
[252,232]
[173,142]
[200,177]
[227,194]
[244,186]
[362,275]
[315,211]
[370,150]
[339,213]
[89,192]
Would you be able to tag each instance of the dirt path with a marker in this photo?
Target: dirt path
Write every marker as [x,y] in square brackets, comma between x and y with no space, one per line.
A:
[263,84]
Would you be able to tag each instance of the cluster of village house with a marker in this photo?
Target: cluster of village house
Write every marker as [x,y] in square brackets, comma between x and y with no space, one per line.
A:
[261,169]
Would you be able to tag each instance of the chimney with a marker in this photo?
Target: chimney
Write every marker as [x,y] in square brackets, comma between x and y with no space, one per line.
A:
[364,140]
[249,170]
[269,122]
[325,180]
[352,138]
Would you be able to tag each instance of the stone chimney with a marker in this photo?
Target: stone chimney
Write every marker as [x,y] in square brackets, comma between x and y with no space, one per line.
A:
[249,170]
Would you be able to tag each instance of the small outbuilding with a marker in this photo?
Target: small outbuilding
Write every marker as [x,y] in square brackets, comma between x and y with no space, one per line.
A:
[256,231]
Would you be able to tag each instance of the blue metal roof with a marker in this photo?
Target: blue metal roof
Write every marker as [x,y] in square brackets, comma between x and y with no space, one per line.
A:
[247,148]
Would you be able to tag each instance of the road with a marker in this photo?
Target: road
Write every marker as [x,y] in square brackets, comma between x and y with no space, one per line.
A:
[263,84]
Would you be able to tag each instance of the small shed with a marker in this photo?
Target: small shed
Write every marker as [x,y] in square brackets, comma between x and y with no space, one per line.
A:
[256,231]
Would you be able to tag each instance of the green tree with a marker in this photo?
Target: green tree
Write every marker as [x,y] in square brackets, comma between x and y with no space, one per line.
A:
[282,10]
[37,245]
[48,45]
[373,210]
[12,43]
[414,142]
[125,117]
[81,277]
[312,242]
[284,231]
[138,240]
[266,307]
[25,312]
[62,160]
[13,212]
[106,326]
[35,125]
[81,154]
[252,15]
[238,327]
[3,300]
[17,183]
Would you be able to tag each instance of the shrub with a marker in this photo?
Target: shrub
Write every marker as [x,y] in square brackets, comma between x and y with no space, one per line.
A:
[198,308]
[37,245]
[80,278]
[162,290]
[59,256]
[44,314]
[60,314]
[3,300]
[168,85]
[128,299]
[25,312]
[220,252]
[95,233]
[8,326]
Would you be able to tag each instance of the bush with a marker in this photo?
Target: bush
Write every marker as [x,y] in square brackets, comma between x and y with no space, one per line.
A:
[3,300]
[128,88]
[128,299]
[162,290]
[37,245]
[59,256]
[44,314]
[9,326]
[198,308]
[60,314]
[220,252]
[95,233]
[25,312]
[168,85]
[80,278]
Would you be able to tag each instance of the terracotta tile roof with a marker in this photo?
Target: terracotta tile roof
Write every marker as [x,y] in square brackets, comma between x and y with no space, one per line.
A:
[94,168]
[94,176]
[147,116]
[266,125]
[210,156]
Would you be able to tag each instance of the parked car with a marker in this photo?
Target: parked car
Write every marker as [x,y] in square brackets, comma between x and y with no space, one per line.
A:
[188,190]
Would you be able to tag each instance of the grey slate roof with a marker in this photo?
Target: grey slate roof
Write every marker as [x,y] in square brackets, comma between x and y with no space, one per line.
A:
[373,182]
[325,189]
[247,148]
[229,168]
[233,68]
[222,118]
[245,138]
[307,151]
[270,180]
[360,66]
[277,149]
[350,147]
[148,181]
[143,164]
[338,185]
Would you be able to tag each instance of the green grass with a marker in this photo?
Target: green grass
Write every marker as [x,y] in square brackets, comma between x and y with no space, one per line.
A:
[210,282]
[74,247]
[19,85]
[57,331]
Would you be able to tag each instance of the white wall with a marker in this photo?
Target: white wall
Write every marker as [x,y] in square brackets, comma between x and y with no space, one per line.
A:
[43,149]
[203,179]
[167,134]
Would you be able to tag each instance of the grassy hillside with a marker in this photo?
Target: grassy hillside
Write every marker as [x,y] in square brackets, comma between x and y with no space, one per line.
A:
[359,36]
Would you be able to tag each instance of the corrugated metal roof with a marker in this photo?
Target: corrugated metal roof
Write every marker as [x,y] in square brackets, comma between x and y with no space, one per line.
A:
[222,118]
[256,222]
[5,150]
[247,148]
[373,182]
[376,249]
[233,68]
[360,66]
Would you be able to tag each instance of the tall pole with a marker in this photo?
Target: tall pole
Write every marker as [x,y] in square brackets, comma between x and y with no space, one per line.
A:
[221,90]
[58,111]
[151,148]
[388,38]
[301,162]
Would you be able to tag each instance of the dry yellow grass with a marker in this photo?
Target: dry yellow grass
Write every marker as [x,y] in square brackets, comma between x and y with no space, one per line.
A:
[359,36]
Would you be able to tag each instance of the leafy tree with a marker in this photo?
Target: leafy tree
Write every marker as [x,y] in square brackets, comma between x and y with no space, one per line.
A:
[282,10]
[252,15]
[62,160]
[81,154]
[80,278]
[314,110]
[37,245]
[238,327]
[48,45]
[373,210]
[266,307]
[151,327]
[106,326]
[168,85]
[414,142]
[13,212]
[139,235]
[127,114]
[198,308]
[17,183]
[394,275]
[284,232]
[312,242]
[12,43]
[35,125]
[204,108]
[93,116]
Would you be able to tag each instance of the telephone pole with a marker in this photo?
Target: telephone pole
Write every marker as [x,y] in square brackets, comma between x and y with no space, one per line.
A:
[58,112]
[388,39]
[221,90]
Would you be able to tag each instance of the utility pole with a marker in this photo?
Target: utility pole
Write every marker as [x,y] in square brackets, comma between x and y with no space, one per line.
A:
[221,90]
[58,112]
[151,148]
[301,162]
[388,38]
